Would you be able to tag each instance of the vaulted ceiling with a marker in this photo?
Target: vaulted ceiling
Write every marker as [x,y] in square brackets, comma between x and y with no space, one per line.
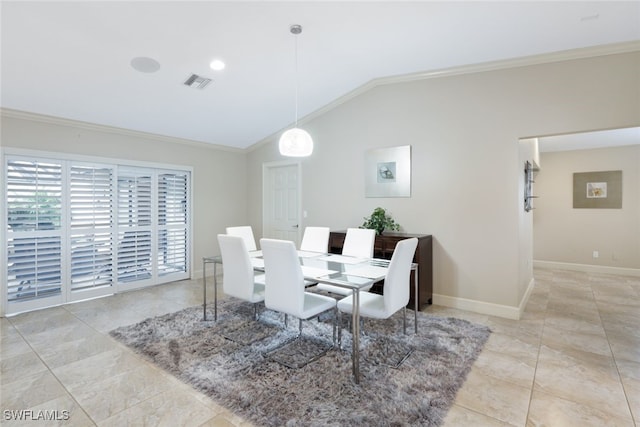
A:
[74,59]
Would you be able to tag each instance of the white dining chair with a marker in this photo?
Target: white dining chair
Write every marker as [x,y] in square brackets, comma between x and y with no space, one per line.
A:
[285,290]
[238,277]
[315,239]
[358,243]
[246,232]
[396,287]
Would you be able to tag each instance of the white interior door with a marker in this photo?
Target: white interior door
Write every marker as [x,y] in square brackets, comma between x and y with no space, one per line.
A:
[281,215]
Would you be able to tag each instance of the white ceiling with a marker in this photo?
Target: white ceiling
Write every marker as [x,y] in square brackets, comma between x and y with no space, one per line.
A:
[72,59]
[589,140]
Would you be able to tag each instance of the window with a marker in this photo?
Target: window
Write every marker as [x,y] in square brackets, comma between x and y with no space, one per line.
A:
[134,225]
[77,230]
[34,239]
[91,222]
[172,222]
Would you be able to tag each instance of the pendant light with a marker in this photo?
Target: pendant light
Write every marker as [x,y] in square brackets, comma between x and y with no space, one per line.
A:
[296,142]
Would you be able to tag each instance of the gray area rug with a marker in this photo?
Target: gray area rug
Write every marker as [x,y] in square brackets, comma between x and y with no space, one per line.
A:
[260,371]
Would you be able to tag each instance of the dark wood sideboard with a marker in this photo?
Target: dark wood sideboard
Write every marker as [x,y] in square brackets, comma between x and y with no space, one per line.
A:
[384,246]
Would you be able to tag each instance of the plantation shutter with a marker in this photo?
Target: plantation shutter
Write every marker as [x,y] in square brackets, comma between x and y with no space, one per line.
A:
[34,211]
[91,226]
[78,230]
[134,225]
[172,222]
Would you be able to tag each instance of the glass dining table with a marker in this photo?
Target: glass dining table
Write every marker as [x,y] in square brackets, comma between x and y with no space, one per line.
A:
[343,271]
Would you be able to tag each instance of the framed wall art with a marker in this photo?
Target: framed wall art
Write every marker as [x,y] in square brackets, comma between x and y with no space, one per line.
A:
[529,169]
[388,172]
[597,190]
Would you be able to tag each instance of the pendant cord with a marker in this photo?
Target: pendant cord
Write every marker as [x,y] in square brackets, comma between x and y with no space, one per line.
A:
[296,79]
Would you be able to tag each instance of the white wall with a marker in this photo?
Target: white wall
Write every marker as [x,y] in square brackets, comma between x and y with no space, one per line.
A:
[566,235]
[464,131]
[219,180]
[528,153]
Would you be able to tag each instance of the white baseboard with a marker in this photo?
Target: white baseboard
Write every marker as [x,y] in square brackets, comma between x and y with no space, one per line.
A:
[525,298]
[635,272]
[481,307]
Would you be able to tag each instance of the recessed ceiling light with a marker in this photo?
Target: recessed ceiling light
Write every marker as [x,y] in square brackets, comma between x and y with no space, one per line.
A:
[145,65]
[217,65]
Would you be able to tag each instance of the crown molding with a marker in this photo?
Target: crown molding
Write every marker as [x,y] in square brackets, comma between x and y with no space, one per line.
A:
[42,118]
[525,61]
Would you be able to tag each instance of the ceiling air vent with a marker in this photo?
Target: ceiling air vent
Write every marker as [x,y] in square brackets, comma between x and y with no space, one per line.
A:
[197,82]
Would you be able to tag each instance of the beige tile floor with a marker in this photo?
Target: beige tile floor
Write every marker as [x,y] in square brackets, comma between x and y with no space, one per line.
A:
[573,360]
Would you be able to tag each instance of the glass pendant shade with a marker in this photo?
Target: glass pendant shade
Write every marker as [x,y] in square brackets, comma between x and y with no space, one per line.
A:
[296,142]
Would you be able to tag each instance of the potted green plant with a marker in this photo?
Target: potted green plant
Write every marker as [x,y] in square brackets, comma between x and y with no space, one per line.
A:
[380,221]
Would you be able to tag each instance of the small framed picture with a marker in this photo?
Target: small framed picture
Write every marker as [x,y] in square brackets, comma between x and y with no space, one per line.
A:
[388,172]
[597,190]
